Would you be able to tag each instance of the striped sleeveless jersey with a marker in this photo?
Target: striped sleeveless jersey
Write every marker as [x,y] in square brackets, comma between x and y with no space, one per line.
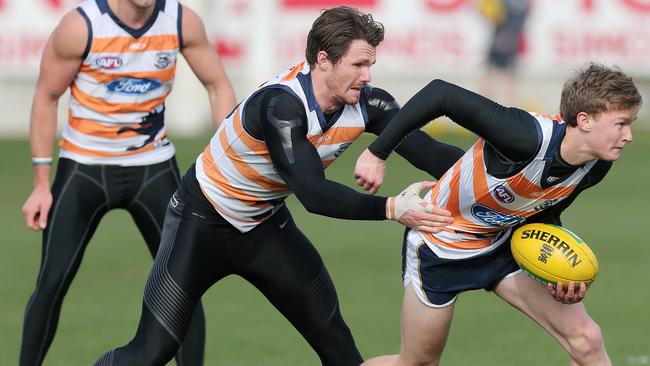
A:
[115,113]
[235,171]
[485,207]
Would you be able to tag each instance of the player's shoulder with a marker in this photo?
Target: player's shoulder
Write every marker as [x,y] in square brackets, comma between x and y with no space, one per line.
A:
[279,102]
[190,17]
[73,20]
[278,94]
[596,173]
[602,167]
[70,36]
[192,26]
[374,92]
[378,98]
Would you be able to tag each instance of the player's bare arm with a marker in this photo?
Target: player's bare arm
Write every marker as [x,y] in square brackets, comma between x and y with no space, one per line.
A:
[60,63]
[206,65]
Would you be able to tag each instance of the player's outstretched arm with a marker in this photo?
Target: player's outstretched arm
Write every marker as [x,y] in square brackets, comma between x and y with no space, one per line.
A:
[206,65]
[511,131]
[283,124]
[418,148]
[60,63]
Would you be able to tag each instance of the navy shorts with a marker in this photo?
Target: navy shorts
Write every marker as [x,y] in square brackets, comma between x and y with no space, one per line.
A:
[438,281]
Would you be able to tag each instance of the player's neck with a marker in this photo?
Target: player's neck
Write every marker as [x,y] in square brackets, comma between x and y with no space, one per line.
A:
[131,14]
[575,149]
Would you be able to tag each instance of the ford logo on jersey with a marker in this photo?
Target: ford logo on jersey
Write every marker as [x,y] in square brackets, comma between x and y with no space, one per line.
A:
[495,218]
[133,86]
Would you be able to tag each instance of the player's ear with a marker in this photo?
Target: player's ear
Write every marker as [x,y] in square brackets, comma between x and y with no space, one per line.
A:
[583,121]
[322,61]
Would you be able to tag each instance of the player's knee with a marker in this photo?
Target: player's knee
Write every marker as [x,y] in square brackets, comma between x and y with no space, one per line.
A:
[587,342]
[421,352]
[428,361]
[334,343]
[424,357]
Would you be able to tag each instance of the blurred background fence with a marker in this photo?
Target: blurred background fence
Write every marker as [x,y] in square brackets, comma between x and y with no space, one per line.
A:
[425,39]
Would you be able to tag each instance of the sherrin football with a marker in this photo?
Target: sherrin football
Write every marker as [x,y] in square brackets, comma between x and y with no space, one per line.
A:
[550,253]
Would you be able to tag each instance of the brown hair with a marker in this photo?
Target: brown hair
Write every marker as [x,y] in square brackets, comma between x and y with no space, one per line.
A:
[336,28]
[595,89]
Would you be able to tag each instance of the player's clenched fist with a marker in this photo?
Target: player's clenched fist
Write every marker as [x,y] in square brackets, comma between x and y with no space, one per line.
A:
[369,171]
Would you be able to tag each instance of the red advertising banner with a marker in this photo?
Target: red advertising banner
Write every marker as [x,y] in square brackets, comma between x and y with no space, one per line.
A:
[323,4]
[441,35]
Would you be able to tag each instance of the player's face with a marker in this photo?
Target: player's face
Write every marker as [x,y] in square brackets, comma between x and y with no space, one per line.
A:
[351,73]
[610,132]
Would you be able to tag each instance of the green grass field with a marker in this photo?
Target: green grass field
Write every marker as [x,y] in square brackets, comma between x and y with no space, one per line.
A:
[102,307]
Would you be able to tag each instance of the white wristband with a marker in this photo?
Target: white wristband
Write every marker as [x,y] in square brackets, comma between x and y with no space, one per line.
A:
[41,161]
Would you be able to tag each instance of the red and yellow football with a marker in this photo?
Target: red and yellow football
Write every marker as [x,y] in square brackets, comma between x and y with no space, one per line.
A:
[550,253]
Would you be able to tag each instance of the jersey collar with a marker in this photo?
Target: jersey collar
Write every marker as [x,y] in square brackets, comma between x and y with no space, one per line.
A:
[135,33]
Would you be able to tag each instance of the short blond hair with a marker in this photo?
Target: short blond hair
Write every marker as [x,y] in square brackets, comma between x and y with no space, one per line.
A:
[595,89]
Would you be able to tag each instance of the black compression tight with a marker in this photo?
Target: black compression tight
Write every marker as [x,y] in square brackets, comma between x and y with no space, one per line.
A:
[82,194]
[198,249]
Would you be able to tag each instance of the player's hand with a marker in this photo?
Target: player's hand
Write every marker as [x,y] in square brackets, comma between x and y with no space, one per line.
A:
[571,295]
[37,207]
[369,171]
[410,210]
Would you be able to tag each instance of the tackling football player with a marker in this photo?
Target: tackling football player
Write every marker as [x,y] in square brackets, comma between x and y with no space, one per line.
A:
[229,215]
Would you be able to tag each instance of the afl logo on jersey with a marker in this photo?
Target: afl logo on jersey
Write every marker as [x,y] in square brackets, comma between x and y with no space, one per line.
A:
[133,86]
[109,62]
[495,218]
[503,194]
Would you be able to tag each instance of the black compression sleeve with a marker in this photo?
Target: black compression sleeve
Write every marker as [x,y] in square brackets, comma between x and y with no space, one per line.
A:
[510,131]
[552,214]
[418,148]
[283,123]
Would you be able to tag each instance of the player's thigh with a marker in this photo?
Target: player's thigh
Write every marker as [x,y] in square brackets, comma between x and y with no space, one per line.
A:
[149,206]
[424,329]
[288,270]
[562,321]
[193,251]
[161,181]
[79,203]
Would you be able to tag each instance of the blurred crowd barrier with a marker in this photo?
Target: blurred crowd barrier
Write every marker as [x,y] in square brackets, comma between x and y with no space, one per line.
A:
[425,39]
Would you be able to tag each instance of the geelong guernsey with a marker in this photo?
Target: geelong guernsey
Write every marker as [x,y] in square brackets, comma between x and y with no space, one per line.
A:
[235,171]
[485,207]
[115,113]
